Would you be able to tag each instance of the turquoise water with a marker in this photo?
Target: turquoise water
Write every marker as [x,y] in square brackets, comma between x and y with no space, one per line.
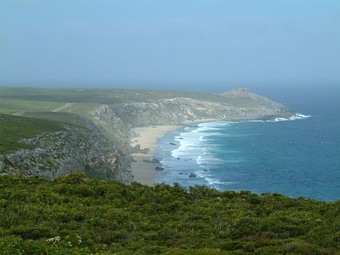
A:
[299,157]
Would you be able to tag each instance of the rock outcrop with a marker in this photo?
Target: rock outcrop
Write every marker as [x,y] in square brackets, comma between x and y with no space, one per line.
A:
[74,149]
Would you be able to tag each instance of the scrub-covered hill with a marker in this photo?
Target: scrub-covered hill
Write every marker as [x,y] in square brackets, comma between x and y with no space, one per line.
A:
[76,215]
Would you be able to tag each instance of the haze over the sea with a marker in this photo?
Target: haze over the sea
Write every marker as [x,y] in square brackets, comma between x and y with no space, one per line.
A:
[187,45]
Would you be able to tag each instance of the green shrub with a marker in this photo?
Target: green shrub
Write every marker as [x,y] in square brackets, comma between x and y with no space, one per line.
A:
[77,215]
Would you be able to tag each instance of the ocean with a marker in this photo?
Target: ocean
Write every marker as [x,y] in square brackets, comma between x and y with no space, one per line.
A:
[298,157]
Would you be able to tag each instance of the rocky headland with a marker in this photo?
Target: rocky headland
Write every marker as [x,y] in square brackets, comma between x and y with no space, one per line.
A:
[96,133]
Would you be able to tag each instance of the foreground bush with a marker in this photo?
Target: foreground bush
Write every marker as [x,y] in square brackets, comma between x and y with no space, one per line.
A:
[76,215]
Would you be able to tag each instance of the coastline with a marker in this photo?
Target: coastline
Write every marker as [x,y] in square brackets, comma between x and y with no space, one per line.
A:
[144,140]
[143,170]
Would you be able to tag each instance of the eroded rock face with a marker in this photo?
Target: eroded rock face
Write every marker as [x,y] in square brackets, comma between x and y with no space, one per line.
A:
[110,125]
[72,150]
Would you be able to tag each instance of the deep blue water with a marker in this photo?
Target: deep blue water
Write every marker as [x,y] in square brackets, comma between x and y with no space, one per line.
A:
[295,157]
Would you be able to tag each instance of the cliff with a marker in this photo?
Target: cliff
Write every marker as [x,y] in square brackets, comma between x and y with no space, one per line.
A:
[96,125]
[234,105]
[72,148]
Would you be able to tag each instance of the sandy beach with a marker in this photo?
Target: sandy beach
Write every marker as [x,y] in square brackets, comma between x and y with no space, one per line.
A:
[147,137]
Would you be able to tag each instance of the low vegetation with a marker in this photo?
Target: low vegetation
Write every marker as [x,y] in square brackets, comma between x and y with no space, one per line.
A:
[14,128]
[76,215]
[20,106]
[101,96]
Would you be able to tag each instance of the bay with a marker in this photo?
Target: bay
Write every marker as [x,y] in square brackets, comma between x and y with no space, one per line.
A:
[298,157]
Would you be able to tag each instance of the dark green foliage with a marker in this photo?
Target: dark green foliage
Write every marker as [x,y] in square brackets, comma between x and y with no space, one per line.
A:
[13,128]
[77,215]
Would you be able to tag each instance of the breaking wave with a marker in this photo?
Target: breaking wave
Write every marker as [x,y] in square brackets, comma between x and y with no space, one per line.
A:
[297,116]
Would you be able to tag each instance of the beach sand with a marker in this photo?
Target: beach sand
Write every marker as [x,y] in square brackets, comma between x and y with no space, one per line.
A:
[147,137]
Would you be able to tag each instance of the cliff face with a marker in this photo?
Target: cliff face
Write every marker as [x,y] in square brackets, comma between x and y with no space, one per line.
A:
[111,125]
[98,142]
[73,149]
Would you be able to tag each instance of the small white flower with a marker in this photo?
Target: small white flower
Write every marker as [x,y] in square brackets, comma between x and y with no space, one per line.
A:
[55,239]
[79,239]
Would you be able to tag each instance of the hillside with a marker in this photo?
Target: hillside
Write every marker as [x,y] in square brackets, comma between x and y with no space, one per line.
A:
[51,148]
[92,127]
[76,215]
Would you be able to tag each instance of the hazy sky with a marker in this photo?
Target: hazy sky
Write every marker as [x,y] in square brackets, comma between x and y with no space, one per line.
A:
[169,43]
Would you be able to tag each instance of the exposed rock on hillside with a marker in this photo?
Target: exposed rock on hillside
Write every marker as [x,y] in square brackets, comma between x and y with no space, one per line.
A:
[111,126]
[235,105]
[71,150]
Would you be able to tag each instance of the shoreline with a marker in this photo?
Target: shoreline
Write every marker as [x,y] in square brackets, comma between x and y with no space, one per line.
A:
[142,167]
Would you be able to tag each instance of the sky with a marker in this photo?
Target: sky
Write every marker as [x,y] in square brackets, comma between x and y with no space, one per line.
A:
[172,44]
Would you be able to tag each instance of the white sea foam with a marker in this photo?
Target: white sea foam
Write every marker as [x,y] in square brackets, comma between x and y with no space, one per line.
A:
[189,144]
[190,141]
[213,124]
[193,141]
[297,116]
[300,116]
[256,121]
[208,126]
[208,159]
[213,181]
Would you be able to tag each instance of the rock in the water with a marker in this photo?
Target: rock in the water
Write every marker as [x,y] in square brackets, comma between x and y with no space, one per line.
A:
[145,151]
[192,175]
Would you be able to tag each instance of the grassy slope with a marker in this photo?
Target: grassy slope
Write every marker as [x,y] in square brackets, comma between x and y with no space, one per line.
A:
[19,106]
[101,96]
[13,128]
[74,215]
